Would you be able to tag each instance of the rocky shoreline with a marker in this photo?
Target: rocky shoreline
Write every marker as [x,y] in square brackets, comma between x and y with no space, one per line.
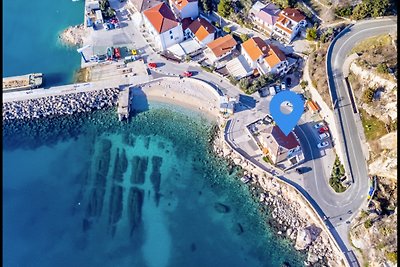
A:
[291,216]
[60,104]
[73,35]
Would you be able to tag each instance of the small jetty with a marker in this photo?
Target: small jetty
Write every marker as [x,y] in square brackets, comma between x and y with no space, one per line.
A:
[23,82]
[124,102]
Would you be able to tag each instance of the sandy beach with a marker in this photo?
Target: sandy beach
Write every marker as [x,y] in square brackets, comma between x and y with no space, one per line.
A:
[183,92]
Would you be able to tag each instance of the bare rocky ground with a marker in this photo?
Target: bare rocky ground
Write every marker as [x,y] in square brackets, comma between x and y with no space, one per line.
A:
[73,35]
[374,231]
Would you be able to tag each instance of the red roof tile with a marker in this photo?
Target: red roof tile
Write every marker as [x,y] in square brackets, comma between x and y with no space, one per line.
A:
[161,17]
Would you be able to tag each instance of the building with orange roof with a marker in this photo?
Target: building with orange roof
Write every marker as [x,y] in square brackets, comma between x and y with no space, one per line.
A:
[185,8]
[288,24]
[264,58]
[220,48]
[312,106]
[163,27]
[201,30]
[274,62]
[254,51]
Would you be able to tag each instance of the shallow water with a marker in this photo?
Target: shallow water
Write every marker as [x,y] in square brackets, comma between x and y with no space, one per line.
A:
[69,202]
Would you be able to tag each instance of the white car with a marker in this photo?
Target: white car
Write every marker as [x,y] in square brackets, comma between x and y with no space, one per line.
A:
[323,144]
[283,85]
[323,136]
[319,125]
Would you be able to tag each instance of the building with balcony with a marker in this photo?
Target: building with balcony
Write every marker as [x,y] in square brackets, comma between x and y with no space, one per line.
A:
[201,30]
[288,24]
[264,16]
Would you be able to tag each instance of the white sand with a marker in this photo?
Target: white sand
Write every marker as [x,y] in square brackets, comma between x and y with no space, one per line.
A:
[191,95]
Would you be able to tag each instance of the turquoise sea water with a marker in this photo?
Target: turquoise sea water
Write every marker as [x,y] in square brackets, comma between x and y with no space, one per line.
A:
[30,38]
[87,190]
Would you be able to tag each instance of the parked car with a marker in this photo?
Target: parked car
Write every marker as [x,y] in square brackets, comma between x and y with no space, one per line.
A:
[152,65]
[117,53]
[187,74]
[319,125]
[272,90]
[323,136]
[283,85]
[323,144]
[277,88]
[323,129]
[302,170]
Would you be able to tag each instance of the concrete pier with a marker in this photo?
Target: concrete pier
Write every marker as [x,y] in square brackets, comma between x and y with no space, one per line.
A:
[124,102]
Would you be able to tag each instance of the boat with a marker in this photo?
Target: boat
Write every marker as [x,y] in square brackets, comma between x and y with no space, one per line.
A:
[23,82]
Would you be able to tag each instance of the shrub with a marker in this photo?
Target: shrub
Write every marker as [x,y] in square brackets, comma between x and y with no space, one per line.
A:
[392,256]
[244,83]
[225,8]
[382,68]
[244,37]
[344,11]
[368,224]
[311,34]
[226,29]
[303,84]
[368,95]
[232,80]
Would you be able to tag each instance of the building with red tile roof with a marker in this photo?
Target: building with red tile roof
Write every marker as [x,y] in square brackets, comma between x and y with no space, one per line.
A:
[220,48]
[201,30]
[162,25]
[280,147]
[288,24]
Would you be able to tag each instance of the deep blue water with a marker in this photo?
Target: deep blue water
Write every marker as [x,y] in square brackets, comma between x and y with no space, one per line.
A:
[30,38]
[65,203]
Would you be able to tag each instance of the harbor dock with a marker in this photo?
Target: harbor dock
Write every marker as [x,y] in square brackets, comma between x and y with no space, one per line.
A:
[23,82]
[124,104]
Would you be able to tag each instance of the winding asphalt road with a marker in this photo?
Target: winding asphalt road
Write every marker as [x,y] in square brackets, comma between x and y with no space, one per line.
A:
[348,122]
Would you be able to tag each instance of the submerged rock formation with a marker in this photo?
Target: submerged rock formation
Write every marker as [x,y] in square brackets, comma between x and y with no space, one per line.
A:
[155,177]
[139,168]
[135,203]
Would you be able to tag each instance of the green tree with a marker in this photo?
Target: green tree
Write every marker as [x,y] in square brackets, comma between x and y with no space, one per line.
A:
[225,8]
[244,37]
[206,5]
[244,83]
[311,34]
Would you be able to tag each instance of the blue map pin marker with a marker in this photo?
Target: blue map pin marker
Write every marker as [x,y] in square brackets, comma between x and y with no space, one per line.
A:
[286,122]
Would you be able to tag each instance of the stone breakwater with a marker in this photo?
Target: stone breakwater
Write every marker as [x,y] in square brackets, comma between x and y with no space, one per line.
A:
[73,35]
[60,104]
[290,215]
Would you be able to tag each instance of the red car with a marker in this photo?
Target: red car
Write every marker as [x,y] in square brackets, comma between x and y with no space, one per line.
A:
[323,129]
[117,54]
[152,65]
[187,74]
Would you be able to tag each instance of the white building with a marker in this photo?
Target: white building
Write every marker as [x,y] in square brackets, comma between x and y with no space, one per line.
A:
[201,30]
[220,48]
[185,8]
[288,24]
[162,25]
[264,58]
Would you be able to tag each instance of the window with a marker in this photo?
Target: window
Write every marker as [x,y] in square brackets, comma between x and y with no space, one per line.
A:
[172,37]
[170,32]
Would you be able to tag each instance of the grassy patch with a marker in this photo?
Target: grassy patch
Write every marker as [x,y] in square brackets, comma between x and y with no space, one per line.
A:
[372,42]
[373,127]
[391,256]
[267,160]
[337,173]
